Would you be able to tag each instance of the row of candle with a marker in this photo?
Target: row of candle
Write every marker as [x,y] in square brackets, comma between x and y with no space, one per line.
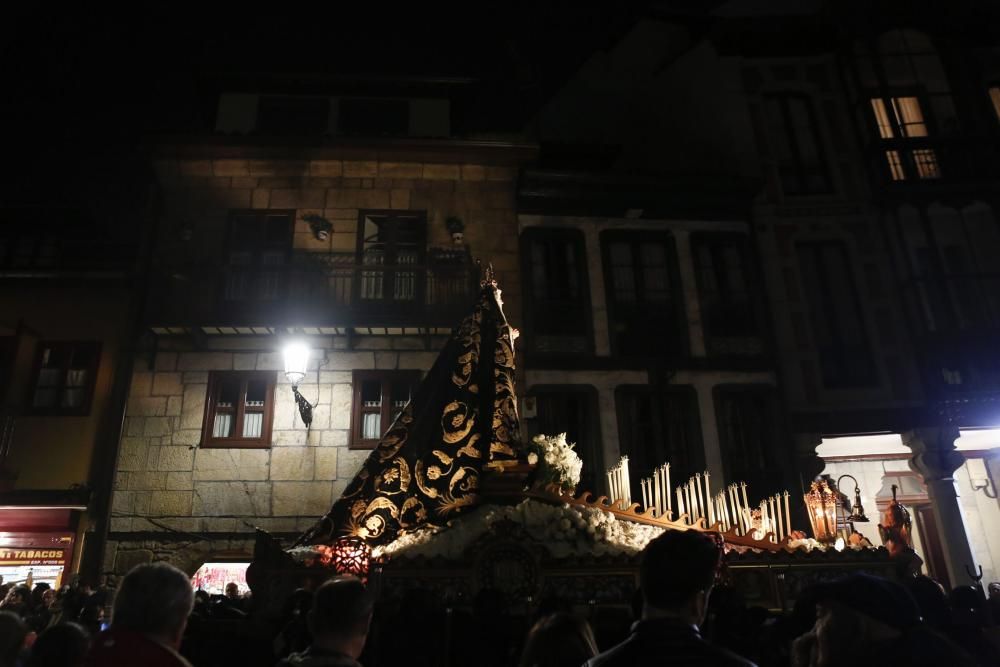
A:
[730,508]
[619,485]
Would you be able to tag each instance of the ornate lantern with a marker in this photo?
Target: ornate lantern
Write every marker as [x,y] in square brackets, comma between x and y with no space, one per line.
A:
[352,555]
[821,502]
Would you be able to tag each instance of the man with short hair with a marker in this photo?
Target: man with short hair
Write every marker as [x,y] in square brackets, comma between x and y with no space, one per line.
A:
[339,619]
[150,612]
[676,576]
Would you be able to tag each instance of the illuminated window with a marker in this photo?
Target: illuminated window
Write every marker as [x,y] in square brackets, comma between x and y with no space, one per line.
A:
[925,161]
[239,409]
[903,113]
[379,397]
[995,98]
[64,378]
[903,119]
[895,165]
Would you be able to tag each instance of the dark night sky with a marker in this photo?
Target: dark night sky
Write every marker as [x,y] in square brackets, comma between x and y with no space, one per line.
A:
[84,87]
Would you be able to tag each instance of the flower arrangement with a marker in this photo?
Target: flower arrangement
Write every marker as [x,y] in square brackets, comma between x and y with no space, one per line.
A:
[564,529]
[314,555]
[557,462]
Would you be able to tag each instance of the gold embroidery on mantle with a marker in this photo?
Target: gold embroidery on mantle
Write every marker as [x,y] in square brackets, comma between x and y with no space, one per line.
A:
[427,466]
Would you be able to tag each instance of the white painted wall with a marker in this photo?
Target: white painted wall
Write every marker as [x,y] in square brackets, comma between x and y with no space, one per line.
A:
[980,513]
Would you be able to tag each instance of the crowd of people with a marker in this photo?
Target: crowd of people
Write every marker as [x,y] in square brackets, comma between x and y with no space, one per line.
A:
[681,616]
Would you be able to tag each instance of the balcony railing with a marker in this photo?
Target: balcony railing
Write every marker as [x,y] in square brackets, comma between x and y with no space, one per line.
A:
[315,289]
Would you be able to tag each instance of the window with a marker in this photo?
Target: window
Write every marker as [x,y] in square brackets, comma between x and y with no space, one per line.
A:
[994,92]
[287,115]
[835,314]
[239,409]
[747,417]
[64,378]
[557,286]
[374,117]
[657,426]
[258,249]
[725,292]
[391,246]
[641,284]
[573,410]
[796,145]
[379,397]
[900,120]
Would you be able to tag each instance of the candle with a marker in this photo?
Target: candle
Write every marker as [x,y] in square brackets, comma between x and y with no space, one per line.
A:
[666,484]
[708,497]
[781,522]
[743,488]
[680,503]
[770,513]
[691,509]
[656,493]
[698,494]
[626,481]
[788,517]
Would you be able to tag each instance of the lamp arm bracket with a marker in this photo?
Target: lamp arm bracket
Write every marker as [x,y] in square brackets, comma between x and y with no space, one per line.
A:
[305,407]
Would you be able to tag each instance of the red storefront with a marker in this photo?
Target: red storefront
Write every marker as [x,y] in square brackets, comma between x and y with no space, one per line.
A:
[37,544]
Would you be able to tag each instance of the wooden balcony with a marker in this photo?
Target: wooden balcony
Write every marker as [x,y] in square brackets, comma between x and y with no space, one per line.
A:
[314,290]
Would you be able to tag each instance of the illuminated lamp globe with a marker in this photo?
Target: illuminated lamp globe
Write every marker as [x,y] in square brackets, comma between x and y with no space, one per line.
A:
[296,355]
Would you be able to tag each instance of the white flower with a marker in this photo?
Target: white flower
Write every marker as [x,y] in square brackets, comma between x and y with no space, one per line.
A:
[532,458]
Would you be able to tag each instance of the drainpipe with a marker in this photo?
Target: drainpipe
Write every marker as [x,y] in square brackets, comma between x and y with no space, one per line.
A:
[104,465]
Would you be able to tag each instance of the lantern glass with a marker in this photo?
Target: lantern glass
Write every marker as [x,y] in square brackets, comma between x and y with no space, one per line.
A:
[352,555]
[821,502]
[296,356]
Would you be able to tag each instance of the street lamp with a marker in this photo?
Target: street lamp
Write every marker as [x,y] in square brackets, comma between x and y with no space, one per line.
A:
[296,356]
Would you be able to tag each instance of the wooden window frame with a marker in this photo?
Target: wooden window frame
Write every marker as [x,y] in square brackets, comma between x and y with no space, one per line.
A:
[575,239]
[715,240]
[215,380]
[256,267]
[814,248]
[771,447]
[801,189]
[88,394]
[387,378]
[595,473]
[636,237]
[692,424]
[389,271]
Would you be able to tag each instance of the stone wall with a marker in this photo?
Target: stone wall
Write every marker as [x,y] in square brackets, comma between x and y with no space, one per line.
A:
[176,501]
[198,195]
[169,492]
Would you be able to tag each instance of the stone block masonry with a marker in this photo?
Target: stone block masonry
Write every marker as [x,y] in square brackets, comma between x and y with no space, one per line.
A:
[169,485]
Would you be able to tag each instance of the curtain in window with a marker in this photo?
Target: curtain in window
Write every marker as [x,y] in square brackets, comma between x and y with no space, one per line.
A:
[223,426]
[253,424]
[370,426]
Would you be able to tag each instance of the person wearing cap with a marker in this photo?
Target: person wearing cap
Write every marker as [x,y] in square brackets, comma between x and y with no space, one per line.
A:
[339,620]
[676,576]
[864,619]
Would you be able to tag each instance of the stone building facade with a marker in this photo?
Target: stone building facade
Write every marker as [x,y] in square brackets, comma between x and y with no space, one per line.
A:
[177,500]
